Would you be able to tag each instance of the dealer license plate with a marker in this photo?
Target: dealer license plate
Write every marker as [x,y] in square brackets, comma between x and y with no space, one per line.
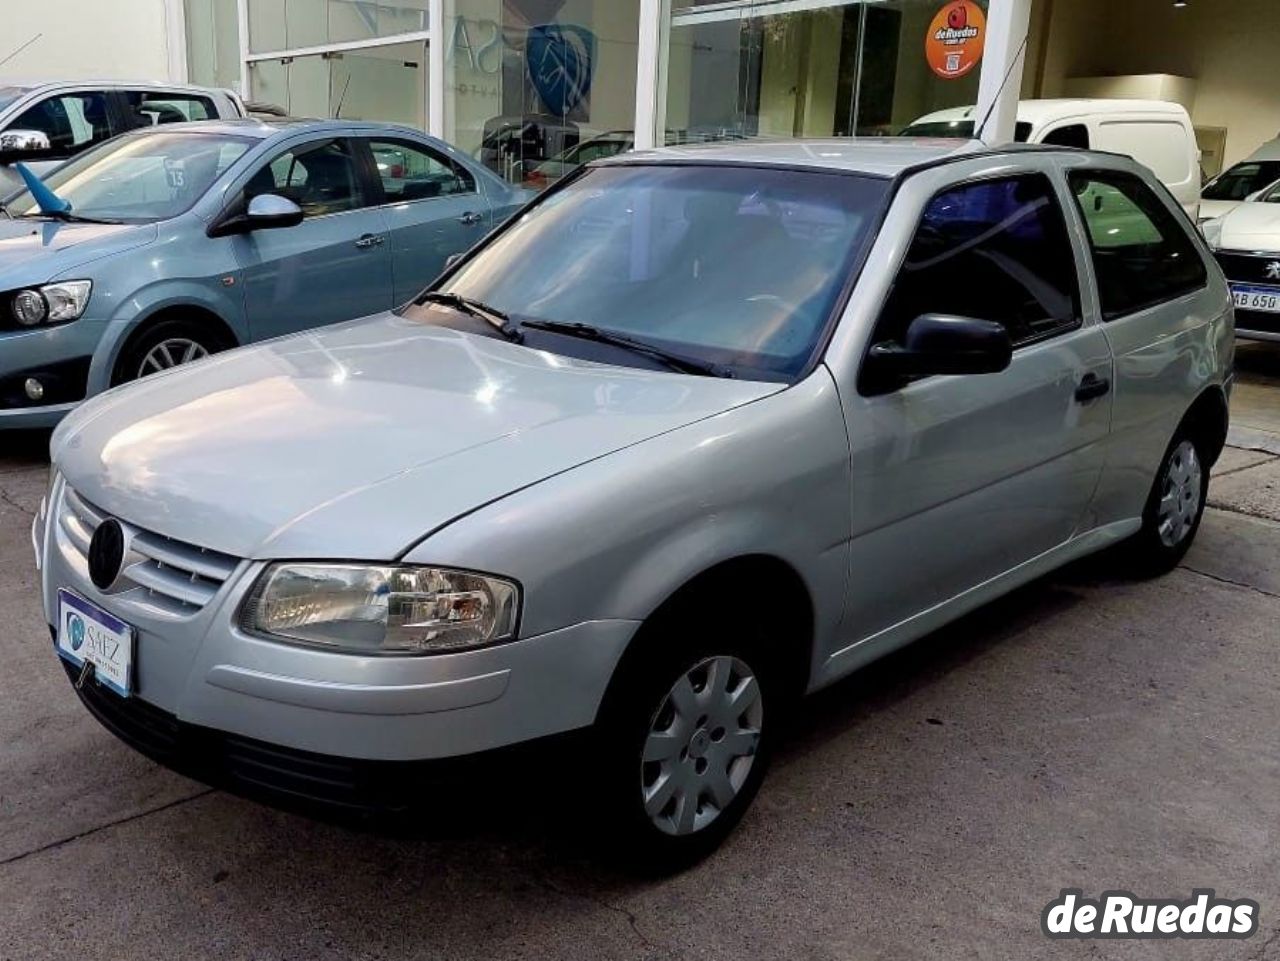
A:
[88,634]
[1264,299]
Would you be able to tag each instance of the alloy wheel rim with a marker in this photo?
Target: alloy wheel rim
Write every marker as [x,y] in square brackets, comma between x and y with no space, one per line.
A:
[172,352]
[1180,495]
[701,745]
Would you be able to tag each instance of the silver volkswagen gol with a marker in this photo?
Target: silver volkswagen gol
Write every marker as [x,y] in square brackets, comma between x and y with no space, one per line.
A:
[698,431]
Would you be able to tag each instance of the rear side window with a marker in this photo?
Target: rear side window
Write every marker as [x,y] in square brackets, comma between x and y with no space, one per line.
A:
[1072,135]
[148,108]
[993,250]
[1142,253]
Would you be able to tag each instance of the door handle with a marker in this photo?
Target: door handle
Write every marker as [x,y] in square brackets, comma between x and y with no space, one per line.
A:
[470,218]
[369,240]
[1092,387]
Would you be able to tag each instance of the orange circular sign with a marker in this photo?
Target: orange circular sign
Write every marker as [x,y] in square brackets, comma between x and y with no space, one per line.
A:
[953,46]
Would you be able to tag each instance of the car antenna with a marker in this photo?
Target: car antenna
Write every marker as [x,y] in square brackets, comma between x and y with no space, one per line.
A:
[1022,48]
[337,114]
[20,48]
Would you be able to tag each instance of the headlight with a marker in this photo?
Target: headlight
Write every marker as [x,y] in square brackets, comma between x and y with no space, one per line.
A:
[52,303]
[381,610]
[1212,231]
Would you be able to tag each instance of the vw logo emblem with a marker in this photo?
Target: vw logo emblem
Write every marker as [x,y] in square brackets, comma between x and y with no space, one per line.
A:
[75,627]
[106,553]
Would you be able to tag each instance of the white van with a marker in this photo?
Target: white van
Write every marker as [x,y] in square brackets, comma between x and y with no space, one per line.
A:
[1153,132]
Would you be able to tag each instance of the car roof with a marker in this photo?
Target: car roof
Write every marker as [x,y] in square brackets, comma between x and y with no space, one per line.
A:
[1047,111]
[877,156]
[266,127]
[1268,151]
[109,84]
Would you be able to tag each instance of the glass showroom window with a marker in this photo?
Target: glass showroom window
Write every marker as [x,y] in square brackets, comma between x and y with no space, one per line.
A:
[817,68]
[535,86]
[296,24]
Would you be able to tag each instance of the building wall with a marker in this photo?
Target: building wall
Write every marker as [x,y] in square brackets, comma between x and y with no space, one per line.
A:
[1231,48]
[105,39]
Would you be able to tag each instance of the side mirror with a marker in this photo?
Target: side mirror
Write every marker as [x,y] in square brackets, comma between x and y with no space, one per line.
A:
[265,212]
[23,145]
[939,344]
[271,211]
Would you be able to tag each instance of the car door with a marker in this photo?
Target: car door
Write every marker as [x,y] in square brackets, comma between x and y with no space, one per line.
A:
[957,480]
[333,266]
[432,205]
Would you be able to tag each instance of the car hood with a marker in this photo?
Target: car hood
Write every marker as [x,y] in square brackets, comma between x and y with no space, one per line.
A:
[1209,209]
[359,440]
[1252,226]
[36,251]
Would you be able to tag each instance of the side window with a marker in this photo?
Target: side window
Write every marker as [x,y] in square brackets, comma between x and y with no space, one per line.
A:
[319,177]
[1072,135]
[1142,253]
[150,108]
[991,250]
[72,122]
[410,171]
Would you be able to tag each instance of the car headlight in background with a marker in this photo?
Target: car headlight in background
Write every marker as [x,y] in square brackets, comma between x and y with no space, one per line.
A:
[1212,232]
[366,609]
[52,303]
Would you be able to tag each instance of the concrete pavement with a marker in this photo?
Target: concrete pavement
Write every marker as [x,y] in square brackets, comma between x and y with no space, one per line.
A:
[1088,731]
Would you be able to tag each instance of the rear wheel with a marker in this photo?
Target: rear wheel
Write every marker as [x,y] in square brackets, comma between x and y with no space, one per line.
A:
[684,739]
[1174,507]
[167,344]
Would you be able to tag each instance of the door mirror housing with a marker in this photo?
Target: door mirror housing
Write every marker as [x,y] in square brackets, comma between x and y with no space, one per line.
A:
[23,145]
[939,344]
[265,212]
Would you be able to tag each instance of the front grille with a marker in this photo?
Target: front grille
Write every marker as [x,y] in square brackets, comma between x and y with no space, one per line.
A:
[1250,268]
[170,575]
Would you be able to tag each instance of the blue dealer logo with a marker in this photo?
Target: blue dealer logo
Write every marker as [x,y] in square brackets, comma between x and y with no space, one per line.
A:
[75,627]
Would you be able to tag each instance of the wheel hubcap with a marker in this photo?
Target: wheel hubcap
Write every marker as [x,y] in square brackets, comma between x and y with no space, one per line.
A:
[701,745]
[171,353]
[1180,496]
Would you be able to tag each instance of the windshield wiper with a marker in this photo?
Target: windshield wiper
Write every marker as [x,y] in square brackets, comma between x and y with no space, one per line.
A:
[66,216]
[474,308]
[599,335]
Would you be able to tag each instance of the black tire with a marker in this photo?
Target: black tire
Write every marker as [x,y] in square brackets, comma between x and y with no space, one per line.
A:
[1159,547]
[128,366]
[663,654]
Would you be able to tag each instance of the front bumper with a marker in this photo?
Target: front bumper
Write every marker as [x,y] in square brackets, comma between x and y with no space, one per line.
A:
[201,670]
[60,357]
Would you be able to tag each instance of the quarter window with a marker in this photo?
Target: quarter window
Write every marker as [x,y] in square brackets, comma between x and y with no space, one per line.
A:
[412,172]
[72,122]
[1072,135]
[993,250]
[152,108]
[319,177]
[1142,253]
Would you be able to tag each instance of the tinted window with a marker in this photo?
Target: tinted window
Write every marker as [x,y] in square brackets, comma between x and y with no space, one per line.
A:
[140,177]
[71,122]
[962,129]
[1242,180]
[737,266]
[1142,253]
[151,108]
[995,250]
[1072,135]
[319,177]
[410,171]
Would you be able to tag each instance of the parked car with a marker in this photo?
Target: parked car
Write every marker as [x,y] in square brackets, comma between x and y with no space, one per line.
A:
[538,175]
[807,401]
[1155,133]
[1241,181]
[55,121]
[1246,241]
[188,239]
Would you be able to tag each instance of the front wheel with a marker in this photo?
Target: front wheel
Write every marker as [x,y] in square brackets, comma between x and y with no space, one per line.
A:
[1174,507]
[170,343]
[684,739]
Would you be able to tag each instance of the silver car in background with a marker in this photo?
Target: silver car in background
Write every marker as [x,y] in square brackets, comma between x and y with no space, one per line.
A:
[701,430]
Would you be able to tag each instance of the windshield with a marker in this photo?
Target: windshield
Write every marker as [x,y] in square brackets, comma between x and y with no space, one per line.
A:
[10,95]
[735,266]
[958,129]
[139,179]
[1242,180]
